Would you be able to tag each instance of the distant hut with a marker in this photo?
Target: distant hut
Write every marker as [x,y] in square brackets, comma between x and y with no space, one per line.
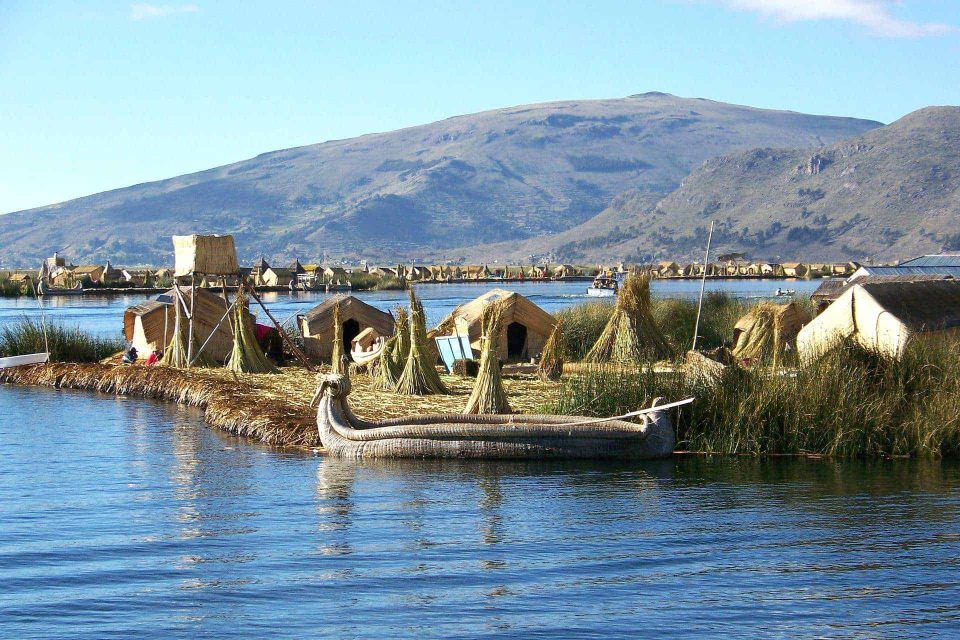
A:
[769,269]
[149,325]
[794,269]
[276,277]
[91,272]
[668,269]
[564,271]
[316,325]
[526,326]
[259,268]
[885,316]
[111,274]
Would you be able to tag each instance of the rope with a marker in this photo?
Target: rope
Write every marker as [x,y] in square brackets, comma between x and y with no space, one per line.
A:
[632,414]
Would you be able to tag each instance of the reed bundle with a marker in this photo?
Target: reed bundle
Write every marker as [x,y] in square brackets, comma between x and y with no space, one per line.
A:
[488,395]
[389,365]
[550,367]
[631,335]
[337,357]
[175,355]
[419,376]
[247,355]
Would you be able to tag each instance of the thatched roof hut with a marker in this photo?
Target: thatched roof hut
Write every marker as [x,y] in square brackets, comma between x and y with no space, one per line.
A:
[832,288]
[316,325]
[526,326]
[885,316]
[149,325]
[276,277]
[205,255]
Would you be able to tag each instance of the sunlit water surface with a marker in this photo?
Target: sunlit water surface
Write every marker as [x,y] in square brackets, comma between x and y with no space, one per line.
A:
[123,518]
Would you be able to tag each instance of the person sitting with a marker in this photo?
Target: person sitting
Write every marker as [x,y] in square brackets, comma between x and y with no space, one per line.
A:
[130,356]
[154,357]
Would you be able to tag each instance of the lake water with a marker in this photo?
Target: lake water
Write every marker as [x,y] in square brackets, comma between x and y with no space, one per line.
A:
[124,518]
[121,517]
[103,315]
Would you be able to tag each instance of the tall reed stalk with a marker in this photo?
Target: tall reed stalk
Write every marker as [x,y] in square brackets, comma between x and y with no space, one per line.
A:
[419,377]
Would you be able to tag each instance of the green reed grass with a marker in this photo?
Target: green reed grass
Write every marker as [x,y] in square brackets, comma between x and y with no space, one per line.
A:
[852,402]
[66,344]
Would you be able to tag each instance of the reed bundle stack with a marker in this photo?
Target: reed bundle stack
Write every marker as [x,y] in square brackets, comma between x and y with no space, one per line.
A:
[393,356]
[247,355]
[488,395]
[550,367]
[767,331]
[419,376]
[631,336]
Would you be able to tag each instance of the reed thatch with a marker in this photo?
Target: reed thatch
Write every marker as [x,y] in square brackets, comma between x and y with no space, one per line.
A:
[419,375]
[393,356]
[247,355]
[175,355]
[550,367]
[631,335]
[488,395]
[767,331]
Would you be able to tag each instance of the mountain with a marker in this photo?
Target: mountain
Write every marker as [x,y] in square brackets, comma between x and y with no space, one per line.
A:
[498,176]
[890,193]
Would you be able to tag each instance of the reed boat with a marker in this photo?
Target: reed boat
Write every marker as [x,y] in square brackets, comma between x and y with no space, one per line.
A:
[20,361]
[366,355]
[44,289]
[344,435]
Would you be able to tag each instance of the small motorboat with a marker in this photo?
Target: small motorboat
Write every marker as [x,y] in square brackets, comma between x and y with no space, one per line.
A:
[784,293]
[493,437]
[605,286]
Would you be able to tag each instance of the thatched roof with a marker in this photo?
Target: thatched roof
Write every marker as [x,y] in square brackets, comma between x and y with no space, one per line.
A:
[930,305]
[316,325]
[768,328]
[884,316]
[518,310]
[144,324]
[832,288]
[207,255]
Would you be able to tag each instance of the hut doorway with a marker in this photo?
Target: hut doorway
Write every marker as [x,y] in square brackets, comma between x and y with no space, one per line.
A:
[516,340]
[351,329]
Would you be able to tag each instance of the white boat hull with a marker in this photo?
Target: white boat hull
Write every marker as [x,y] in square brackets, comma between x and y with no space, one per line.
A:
[20,361]
[593,292]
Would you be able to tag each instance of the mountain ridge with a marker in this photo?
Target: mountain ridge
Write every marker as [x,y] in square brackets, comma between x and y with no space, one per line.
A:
[501,175]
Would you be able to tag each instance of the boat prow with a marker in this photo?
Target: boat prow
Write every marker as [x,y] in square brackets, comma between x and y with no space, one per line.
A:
[26,359]
[518,436]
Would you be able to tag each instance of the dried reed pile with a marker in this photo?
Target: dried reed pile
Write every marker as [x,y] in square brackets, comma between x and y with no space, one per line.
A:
[247,355]
[419,377]
[236,407]
[550,367]
[631,336]
[175,355]
[488,395]
[389,365]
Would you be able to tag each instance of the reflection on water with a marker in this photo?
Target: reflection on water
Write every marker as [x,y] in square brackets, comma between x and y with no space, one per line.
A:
[129,518]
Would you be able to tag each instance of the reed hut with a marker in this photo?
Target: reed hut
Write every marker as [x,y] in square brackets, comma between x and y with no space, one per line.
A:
[794,269]
[276,277]
[150,325]
[768,330]
[204,255]
[885,316]
[525,326]
[317,325]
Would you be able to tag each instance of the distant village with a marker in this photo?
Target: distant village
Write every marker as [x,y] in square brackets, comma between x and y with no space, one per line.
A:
[56,274]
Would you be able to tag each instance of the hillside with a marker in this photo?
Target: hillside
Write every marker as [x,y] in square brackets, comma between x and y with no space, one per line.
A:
[890,193]
[499,176]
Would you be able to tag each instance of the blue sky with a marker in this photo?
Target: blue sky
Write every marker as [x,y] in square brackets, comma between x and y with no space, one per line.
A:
[103,95]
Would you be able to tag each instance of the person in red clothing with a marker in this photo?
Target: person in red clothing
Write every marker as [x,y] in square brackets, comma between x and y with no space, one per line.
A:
[154,357]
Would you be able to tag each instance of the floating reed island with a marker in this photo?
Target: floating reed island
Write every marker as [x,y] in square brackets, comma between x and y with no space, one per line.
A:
[767,379]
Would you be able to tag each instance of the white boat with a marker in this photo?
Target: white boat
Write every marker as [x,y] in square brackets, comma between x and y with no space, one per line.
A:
[605,286]
[20,361]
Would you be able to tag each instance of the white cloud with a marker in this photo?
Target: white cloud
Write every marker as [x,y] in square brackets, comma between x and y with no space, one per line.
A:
[875,15]
[145,11]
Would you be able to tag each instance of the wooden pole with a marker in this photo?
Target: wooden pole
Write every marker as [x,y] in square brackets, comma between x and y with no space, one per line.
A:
[703,284]
[283,334]
[193,296]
